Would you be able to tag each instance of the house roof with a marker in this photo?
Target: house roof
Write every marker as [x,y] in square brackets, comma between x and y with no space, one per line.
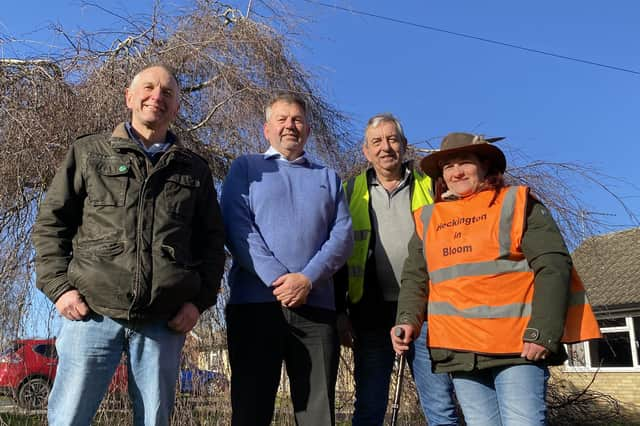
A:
[609,266]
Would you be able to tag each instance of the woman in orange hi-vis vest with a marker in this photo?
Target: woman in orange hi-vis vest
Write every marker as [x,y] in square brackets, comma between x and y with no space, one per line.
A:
[501,292]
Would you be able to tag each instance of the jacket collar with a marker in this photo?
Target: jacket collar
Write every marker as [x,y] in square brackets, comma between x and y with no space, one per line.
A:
[407,169]
[120,138]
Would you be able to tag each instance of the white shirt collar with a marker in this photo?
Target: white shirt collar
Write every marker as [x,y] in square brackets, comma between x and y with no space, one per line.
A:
[274,153]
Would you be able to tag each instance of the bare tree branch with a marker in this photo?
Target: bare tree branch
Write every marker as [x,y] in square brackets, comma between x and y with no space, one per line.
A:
[214,110]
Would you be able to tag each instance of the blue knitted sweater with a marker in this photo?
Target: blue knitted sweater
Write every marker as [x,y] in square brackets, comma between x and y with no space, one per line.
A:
[283,217]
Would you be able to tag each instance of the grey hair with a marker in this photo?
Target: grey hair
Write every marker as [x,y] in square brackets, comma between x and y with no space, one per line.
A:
[385,117]
[288,97]
[165,67]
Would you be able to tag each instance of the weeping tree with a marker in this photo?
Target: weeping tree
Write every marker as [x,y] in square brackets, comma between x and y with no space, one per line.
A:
[227,65]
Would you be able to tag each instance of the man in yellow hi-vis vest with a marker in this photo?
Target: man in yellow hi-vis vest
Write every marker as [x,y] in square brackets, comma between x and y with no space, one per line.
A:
[381,201]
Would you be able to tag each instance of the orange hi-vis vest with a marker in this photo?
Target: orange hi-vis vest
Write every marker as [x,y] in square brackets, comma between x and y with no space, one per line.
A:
[480,284]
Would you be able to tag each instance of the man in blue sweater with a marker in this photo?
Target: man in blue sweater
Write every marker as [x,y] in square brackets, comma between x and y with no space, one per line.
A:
[289,230]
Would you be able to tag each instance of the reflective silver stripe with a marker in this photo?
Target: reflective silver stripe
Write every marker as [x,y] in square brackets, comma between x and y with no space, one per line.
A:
[425,216]
[361,235]
[492,267]
[356,271]
[515,310]
[578,298]
[349,189]
[506,221]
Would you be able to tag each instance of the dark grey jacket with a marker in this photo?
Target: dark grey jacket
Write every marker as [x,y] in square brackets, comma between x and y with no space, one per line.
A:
[136,240]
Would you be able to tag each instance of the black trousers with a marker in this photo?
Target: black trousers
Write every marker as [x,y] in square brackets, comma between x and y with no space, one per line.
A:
[260,337]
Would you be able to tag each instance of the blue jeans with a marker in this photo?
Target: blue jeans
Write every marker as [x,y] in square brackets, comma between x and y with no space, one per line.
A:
[373,359]
[89,352]
[435,390]
[509,396]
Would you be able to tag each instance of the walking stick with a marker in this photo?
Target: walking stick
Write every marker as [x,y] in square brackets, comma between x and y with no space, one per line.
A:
[399,332]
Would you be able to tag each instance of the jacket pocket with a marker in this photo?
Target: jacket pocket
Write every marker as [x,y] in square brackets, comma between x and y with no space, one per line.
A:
[107,179]
[180,192]
[176,280]
[99,248]
[179,257]
[441,355]
[101,274]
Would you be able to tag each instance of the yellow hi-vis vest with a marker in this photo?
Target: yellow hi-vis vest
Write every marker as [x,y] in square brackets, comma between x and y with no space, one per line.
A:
[357,193]
[480,283]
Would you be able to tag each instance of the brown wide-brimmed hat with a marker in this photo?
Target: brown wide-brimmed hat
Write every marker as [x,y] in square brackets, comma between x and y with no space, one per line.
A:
[455,143]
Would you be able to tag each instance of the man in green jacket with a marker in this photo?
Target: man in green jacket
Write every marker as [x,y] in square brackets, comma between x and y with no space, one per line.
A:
[129,247]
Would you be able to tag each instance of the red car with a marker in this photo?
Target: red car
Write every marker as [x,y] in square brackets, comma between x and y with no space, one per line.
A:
[28,368]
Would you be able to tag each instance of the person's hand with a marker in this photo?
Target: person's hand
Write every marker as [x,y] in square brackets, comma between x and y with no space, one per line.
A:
[185,319]
[534,352]
[401,344]
[292,289]
[72,306]
[345,330]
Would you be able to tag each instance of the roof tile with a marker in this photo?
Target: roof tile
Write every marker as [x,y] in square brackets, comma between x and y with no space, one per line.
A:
[609,266]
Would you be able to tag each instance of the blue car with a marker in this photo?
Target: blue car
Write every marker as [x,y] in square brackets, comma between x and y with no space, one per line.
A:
[202,382]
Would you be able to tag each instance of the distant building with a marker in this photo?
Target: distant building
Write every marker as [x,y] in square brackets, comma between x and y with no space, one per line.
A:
[609,266]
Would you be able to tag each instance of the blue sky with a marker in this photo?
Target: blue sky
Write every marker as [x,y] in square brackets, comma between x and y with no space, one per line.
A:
[548,108]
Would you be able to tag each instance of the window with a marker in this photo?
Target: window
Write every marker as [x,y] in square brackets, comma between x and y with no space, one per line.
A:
[46,349]
[619,347]
[612,351]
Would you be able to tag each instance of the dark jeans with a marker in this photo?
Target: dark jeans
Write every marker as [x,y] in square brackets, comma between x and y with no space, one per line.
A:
[260,337]
[374,358]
